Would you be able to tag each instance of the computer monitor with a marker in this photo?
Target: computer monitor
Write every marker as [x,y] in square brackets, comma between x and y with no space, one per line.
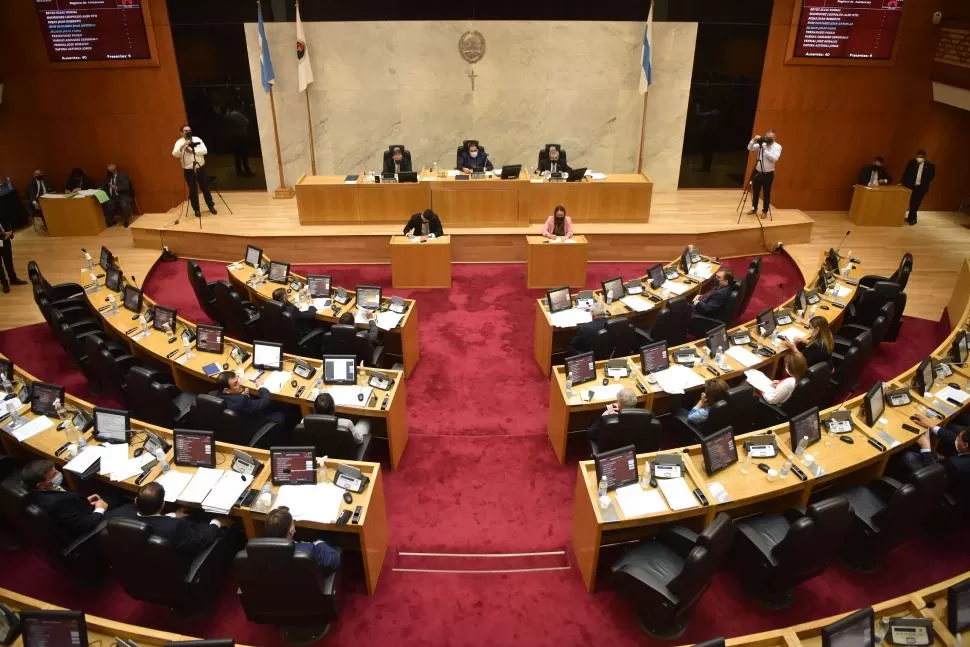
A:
[582,367]
[576,174]
[854,630]
[112,425]
[832,260]
[131,298]
[208,339]
[559,299]
[511,171]
[53,628]
[42,396]
[194,448]
[214,642]
[717,339]
[268,355]
[767,322]
[958,351]
[719,450]
[801,301]
[293,465]
[107,258]
[821,284]
[958,607]
[805,425]
[874,404]
[254,256]
[6,369]
[407,176]
[339,369]
[278,272]
[619,466]
[369,297]
[653,357]
[685,261]
[657,276]
[924,376]
[164,318]
[319,285]
[615,286]
[113,279]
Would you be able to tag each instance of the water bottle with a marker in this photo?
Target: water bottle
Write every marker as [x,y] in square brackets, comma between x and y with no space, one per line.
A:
[144,326]
[322,470]
[162,460]
[187,346]
[802,444]
[746,463]
[79,438]
[785,469]
[89,261]
[609,297]
[7,386]
[59,408]
[569,385]
[113,310]
[720,361]
[265,501]
[94,282]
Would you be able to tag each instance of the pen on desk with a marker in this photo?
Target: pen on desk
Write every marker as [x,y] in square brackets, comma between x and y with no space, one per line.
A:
[173,354]
[131,330]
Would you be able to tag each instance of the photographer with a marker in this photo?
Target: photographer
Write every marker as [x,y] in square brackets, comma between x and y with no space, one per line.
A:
[191,152]
[768,151]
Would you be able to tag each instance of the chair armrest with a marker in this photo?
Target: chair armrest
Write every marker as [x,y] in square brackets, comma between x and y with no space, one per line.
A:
[679,539]
[795,513]
[266,436]
[125,362]
[90,535]
[885,487]
[771,413]
[64,291]
[210,561]
[310,336]
[80,328]
[253,318]
[643,334]
[758,543]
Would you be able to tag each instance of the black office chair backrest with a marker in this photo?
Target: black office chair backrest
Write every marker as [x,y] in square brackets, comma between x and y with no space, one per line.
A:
[702,561]
[204,291]
[883,321]
[718,417]
[601,344]
[623,337]
[901,275]
[544,153]
[750,279]
[364,349]
[239,322]
[744,407]
[671,322]
[341,339]
[271,321]
[103,364]
[323,433]
[209,408]
[717,537]
[810,391]
[930,484]
[846,375]
[150,397]
[636,427]
[732,306]
[814,539]
[895,520]
[147,566]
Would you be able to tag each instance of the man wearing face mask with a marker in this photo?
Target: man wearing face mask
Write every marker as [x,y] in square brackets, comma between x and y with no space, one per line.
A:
[553,163]
[191,152]
[874,174]
[474,161]
[38,186]
[768,151]
[917,177]
[397,163]
[72,514]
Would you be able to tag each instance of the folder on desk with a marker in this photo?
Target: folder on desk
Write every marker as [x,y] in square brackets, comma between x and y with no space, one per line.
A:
[226,492]
[32,428]
[202,482]
[320,503]
[174,483]
[113,457]
[85,460]
[677,493]
[636,502]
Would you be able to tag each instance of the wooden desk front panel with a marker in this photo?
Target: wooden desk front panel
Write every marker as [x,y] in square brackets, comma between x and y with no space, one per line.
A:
[620,201]
[477,203]
[421,265]
[81,216]
[538,201]
[383,203]
[553,265]
[326,200]
[880,206]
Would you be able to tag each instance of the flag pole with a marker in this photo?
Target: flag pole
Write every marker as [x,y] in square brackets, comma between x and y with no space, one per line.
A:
[282,191]
[643,130]
[309,123]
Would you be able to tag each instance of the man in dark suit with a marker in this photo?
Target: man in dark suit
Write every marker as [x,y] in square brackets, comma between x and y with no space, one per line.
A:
[6,260]
[917,177]
[952,449]
[279,524]
[473,160]
[874,174]
[306,320]
[582,341]
[78,180]
[38,186]
[626,398]
[73,514]
[118,187]
[397,162]
[186,536]
[424,223]
[711,304]
[238,398]
[552,163]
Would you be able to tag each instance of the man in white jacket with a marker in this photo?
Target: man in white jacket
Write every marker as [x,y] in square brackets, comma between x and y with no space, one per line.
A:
[191,151]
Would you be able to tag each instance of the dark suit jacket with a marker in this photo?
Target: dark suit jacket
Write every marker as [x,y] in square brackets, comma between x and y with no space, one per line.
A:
[957,466]
[434,225]
[73,514]
[326,557]
[482,162]
[33,189]
[405,165]
[83,182]
[585,332]
[305,320]
[865,174]
[249,406]
[712,302]
[595,430]
[124,184]
[186,536]
[545,164]
[909,174]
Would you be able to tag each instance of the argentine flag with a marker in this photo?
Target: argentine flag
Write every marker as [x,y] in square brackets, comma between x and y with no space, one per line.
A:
[645,77]
[265,64]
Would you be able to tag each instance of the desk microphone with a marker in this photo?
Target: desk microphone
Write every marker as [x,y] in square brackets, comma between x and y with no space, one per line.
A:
[843,241]
[133,280]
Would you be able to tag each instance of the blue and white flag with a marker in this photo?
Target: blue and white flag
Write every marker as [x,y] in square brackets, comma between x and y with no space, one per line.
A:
[265,63]
[646,79]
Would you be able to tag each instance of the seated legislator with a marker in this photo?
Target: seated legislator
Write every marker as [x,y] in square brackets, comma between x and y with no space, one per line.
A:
[714,391]
[712,303]
[952,450]
[238,398]
[72,513]
[558,225]
[551,163]
[279,524]
[587,330]
[78,181]
[187,536]
[781,390]
[625,399]
[118,187]
[397,162]
[473,160]
[348,319]
[818,346]
[423,224]
[874,174]
[305,319]
[38,186]
[325,406]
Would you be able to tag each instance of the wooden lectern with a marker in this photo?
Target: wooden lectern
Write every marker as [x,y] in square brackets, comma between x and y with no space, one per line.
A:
[417,264]
[554,264]
[879,206]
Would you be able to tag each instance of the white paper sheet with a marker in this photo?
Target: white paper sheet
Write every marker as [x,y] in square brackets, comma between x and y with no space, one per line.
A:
[950,392]
[113,458]
[570,241]
[677,379]
[131,467]
[319,503]
[676,288]
[758,380]
[677,493]
[607,392]
[32,428]
[702,270]
[793,334]
[201,484]
[743,356]
[276,380]
[637,303]
[569,318]
[345,395]
[388,320]
[453,172]
[320,303]
[226,492]
[174,483]
[635,501]
[595,176]
[83,461]
[842,291]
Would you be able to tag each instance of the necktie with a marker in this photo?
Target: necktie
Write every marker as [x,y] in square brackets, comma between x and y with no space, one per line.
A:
[555,167]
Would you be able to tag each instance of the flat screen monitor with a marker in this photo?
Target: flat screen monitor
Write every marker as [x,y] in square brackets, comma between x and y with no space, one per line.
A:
[801,301]
[209,338]
[832,260]
[293,465]
[339,369]
[959,349]
[874,404]
[268,355]
[820,283]
[369,297]
[767,322]
[685,261]
[719,451]
[194,448]
[717,339]
[42,397]
[254,256]
[53,629]
[107,259]
[958,607]
[805,425]
[112,279]
[164,319]
[318,285]
[559,299]
[924,376]
[653,357]
[856,32]
[214,642]
[131,298]
[854,630]
[511,171]
[657,276]
[615,286]
[582,367]
[6,369]
[619,466]
[278,272]
[111,425]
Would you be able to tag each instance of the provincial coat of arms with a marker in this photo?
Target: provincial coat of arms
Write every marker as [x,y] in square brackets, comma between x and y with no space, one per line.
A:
[471,46]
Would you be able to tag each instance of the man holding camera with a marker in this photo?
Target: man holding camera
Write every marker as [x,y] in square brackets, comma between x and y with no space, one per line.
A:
[191,151]
[768,151]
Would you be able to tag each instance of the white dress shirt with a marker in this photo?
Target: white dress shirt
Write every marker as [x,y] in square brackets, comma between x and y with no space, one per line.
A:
[768,158]
[874,178]
[919,173]
[780,393]
[186,153]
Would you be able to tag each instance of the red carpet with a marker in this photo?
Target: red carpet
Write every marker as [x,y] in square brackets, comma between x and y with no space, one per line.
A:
[478,476]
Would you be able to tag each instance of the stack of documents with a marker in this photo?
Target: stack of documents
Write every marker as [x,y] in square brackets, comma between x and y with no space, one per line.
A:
[677,493]
[116,464]
[131,468]
[676,288]
[276,380]
[702,270]
[32,428]
[226,492]
[571,317]
[950,392]
[677,378]
[388,320]
[758,380]
[321,303]
[202,482]
[85,460]
[743,356]
[637,303]
[635,501]
[174,483]
[319,503]
[842,291]
[346,395]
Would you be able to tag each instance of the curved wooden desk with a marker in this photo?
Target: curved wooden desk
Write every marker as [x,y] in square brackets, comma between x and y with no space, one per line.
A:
[370,535]
[387,410]
[750,493]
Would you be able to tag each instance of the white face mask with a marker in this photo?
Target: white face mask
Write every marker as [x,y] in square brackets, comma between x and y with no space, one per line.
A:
[920,160]
[57,481]
[473,153]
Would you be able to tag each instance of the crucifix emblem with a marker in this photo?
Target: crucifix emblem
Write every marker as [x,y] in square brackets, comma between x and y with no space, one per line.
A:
[471,75]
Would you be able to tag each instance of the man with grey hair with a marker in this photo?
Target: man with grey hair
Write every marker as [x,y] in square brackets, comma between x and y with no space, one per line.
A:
[586,333]
[625,399]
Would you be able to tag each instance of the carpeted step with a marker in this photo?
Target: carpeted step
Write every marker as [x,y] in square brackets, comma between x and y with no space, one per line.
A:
[480,562]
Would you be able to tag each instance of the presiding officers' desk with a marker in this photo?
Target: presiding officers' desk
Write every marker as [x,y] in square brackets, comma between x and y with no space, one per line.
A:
[370,535]
[879,206]
[71,215]
[385,409]
[421,262]
[552,263]
[487,202]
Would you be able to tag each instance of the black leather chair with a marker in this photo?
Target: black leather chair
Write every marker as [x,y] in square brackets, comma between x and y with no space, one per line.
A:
[405,155]
[689,433]
[879,328]
[464,147]
[776,552]
[701,325]
[665,575]
[544,154]
[57,292]
[329,440]
[744,408]
[636,427]
[885,513]
[812,390]
[623,337]
[368,352]
[900,277]
[150,569]
[205,291]
[670,324]
[341,339]
[278,325]
[109,364]
[239,317]
[868,304]
[74,309]
[750,283]
[285,588]
[845,377]
[211,414]
[153,398]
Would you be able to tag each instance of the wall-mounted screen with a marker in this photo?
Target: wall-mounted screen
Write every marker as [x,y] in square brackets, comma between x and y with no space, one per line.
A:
[837,29]
[94,30]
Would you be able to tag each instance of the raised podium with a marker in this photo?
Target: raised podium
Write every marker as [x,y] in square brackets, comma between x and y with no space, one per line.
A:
[552,264]
[421,263]
[879,206]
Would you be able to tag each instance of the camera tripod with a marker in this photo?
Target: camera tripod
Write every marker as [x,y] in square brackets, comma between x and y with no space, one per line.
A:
[747,187]
[188,194]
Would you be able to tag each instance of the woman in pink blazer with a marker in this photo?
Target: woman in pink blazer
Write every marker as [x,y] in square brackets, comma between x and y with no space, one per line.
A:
[558,224]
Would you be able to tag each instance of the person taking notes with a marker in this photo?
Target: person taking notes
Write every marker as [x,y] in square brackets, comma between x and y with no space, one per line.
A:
[558,225]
